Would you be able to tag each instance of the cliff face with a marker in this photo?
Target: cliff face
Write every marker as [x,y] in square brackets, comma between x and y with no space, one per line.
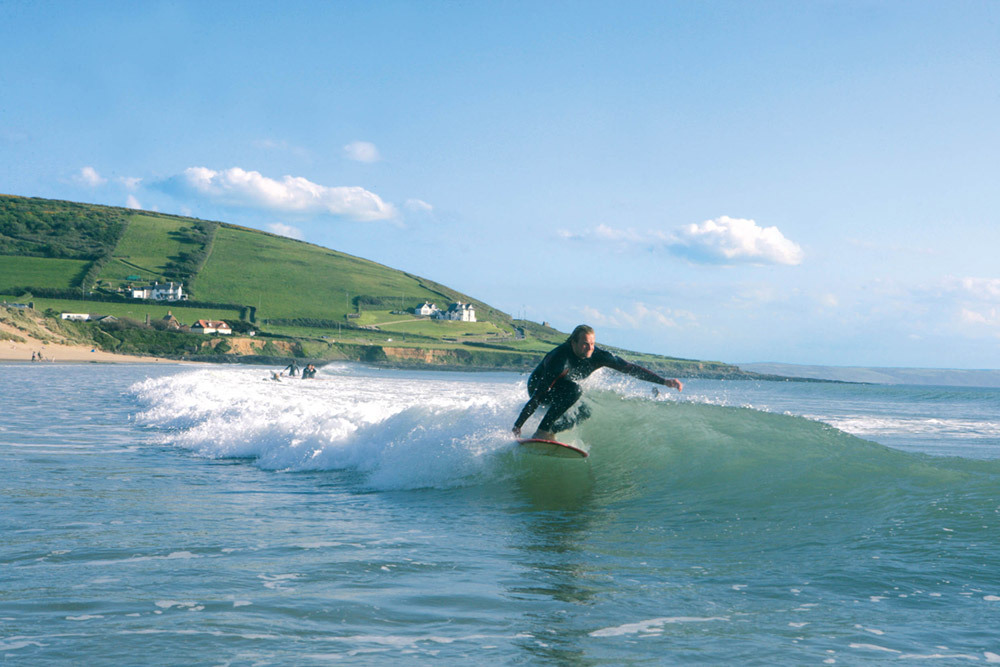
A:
[409,355]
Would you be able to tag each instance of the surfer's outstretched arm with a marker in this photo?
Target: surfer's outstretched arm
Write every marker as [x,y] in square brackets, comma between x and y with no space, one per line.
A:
[637,371]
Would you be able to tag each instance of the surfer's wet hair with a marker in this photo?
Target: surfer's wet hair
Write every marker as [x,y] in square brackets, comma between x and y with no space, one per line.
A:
[580,331]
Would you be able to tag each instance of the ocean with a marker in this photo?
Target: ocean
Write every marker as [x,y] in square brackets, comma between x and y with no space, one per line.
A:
[182,515]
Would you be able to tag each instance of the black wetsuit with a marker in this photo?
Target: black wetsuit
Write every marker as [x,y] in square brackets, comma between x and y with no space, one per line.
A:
[554,383]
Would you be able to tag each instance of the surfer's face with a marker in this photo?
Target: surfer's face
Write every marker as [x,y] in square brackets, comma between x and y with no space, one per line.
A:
[583,346]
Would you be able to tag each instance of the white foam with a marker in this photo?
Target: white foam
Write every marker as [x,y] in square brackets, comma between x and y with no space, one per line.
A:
[402,432]
[873,426]
[652,625]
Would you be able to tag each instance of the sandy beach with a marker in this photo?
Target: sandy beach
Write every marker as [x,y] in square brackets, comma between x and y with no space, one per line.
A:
[15,351]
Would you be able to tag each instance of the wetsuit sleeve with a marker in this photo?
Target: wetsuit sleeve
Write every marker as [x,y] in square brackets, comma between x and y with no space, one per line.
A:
[634,370]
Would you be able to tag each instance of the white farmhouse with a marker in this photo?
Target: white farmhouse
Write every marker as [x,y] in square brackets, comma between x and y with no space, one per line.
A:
[160,292]
[459,312]
[210,327]
[426,310]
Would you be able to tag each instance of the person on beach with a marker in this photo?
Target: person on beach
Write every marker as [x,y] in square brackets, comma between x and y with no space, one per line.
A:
[554,382]
[292,368]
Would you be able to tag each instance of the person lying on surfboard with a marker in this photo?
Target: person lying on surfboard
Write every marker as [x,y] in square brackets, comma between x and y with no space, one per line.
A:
[555,382]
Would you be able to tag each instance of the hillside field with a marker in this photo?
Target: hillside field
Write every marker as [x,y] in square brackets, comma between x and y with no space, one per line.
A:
[318,301]
[144,250]
[21,272]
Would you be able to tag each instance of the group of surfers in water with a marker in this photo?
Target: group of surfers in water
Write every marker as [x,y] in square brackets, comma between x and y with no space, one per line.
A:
[308,373]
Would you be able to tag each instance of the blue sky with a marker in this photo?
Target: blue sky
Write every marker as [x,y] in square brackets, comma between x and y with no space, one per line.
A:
[804,182]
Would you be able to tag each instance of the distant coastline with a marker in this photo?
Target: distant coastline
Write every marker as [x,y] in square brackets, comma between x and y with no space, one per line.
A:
[942,377]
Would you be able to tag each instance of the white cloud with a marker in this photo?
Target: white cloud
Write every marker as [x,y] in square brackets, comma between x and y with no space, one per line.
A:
[730,240]
[362,151]
[130,182]
[985,289]
[240,187]
[280,146]
[976,302]
[89,177]
[282,229]
[987,318]
[829,300]
[604,233]
[132,202]
[418,205]
[639,316]
[724,240]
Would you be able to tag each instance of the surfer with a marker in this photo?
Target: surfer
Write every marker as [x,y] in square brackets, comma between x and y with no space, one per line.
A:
[555,382]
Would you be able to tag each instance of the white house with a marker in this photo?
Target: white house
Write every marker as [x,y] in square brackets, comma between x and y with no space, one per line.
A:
[160,292]
[211,327]
[78,317]
[459,312]
[426,309]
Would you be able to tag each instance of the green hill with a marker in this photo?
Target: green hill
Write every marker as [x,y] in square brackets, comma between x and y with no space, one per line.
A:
[319,303]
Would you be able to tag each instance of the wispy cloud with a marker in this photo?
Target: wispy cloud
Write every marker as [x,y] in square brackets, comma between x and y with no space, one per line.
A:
[418,205]
[723,240]
[362,151]
[280,146]
[88,177]
[240,187]
[638,316]
[132,202]
[976,302]
[282,229]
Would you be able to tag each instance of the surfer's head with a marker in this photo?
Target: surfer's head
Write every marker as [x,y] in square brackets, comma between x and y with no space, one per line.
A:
[582,341]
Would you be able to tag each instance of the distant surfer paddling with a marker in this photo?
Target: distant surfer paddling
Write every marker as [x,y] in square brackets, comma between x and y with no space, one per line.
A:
[554,383]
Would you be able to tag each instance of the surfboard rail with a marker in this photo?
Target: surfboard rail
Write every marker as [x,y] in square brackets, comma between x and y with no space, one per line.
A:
[552,448]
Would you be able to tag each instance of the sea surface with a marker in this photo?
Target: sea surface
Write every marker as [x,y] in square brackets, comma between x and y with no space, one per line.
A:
[206,515]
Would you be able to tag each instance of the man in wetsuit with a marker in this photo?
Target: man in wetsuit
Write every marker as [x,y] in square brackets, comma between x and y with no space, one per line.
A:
[554,382]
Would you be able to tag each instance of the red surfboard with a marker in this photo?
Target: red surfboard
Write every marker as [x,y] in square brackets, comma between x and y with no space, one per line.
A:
[552,448]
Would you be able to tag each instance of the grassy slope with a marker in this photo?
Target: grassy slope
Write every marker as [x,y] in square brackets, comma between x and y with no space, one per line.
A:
[135,310]
[283,278]
[144,250]
[292,279]
[40,272]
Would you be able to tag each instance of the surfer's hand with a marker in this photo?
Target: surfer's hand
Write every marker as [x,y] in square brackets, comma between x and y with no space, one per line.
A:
[677,384]
[656,392]
[517,432]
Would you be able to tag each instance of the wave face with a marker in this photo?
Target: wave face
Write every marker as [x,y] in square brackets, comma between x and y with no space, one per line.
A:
[397,430]
[372,516]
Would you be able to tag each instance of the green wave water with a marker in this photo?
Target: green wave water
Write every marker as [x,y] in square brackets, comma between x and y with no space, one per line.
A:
[176,516]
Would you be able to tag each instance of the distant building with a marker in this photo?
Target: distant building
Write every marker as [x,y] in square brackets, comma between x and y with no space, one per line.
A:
[170,321]
[88,317]
[459,312]
[160,292]
[426,309]
[211,327]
